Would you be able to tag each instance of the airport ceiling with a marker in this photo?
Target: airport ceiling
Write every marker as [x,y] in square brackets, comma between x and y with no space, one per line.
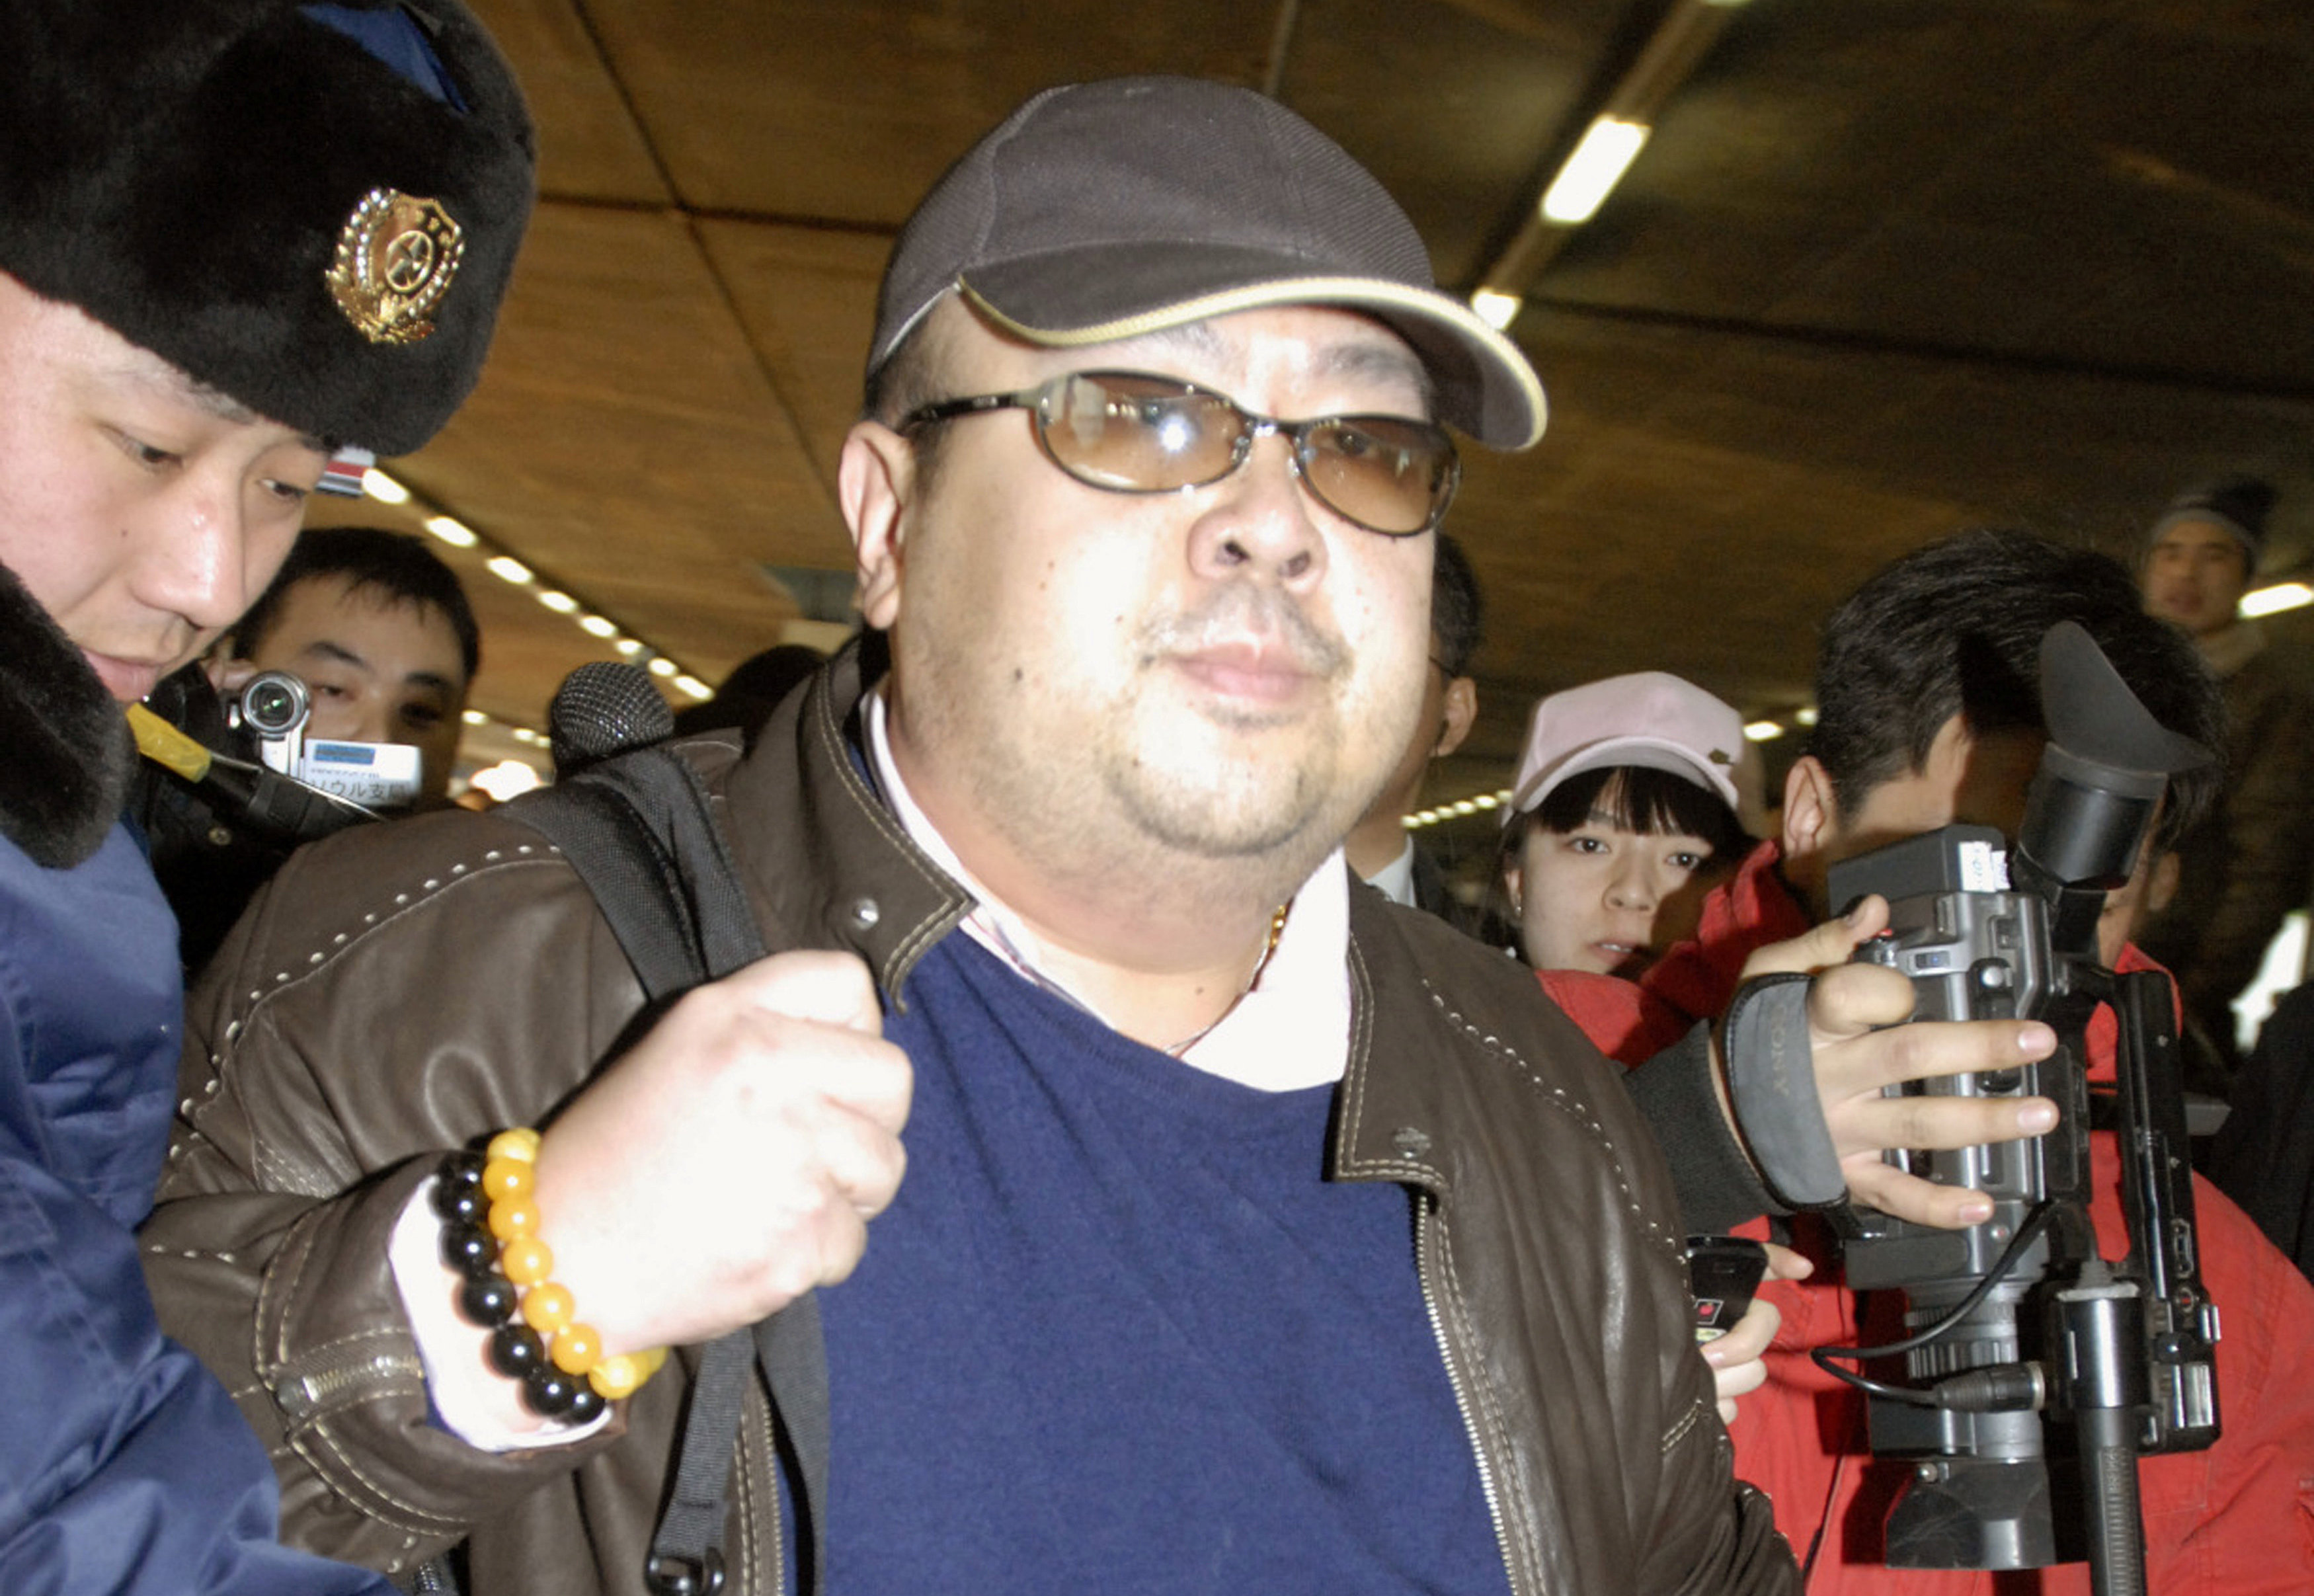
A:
[1886,268]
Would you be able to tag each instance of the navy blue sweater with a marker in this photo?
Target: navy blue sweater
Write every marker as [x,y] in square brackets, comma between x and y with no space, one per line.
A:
[1118,1333]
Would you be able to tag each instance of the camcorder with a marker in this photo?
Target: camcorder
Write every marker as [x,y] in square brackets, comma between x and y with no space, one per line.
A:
[2033,1371]
[249,762]
[273,708]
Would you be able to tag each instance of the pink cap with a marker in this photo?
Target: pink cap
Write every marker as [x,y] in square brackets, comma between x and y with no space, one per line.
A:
[1651,718]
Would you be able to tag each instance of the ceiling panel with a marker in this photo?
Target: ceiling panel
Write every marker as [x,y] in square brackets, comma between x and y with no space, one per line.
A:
[1887,268]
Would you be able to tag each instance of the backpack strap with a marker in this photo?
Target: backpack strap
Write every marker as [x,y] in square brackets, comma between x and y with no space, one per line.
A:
[638,825]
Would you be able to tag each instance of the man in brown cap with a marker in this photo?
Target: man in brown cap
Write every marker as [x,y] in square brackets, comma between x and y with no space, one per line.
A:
[1255,1233]
[236,238]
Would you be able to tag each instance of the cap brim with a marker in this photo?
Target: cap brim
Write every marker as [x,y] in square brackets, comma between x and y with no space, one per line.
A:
[1650,753]
[1102,293]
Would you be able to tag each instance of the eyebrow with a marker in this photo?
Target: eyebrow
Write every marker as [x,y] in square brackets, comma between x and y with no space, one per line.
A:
[340,654]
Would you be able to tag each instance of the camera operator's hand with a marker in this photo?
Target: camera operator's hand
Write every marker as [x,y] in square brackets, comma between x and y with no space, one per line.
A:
[732,1160]
[1860,1045]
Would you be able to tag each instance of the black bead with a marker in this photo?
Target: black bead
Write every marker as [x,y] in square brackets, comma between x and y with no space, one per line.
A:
[470,1250]
[463,1170]
[548,1391]
[465,1204]
[587,1404]
[515,1350]
[489,1301]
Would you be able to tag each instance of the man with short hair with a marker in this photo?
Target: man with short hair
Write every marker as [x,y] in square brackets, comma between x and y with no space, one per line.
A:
[380,631]
[1255,1233]
[1928,714]
[2246,864]
[194,204]
[1380,848]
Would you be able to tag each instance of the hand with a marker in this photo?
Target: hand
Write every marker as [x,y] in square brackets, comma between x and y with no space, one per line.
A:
[1737,1359]
[731,1161]
[1859,1046]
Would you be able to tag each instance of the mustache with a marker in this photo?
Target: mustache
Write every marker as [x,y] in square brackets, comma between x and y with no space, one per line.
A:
[1245,613]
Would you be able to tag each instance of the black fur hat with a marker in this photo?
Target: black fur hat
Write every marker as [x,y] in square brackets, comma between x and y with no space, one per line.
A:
[311,207]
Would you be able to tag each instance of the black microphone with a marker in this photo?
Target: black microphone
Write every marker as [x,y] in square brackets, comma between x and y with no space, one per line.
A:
[603,708]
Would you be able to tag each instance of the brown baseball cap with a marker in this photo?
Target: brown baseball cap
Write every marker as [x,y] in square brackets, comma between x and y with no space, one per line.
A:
[1106,211]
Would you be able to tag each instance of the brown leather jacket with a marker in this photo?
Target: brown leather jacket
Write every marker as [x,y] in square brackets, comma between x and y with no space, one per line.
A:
[402,990]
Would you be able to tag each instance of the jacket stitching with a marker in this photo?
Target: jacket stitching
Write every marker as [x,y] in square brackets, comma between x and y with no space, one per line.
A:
[1559,1097]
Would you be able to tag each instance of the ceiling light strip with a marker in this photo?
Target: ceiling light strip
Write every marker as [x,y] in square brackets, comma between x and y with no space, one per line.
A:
[557,596]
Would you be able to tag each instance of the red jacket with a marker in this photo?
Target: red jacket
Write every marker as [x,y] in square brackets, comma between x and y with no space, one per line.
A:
[2237,1520]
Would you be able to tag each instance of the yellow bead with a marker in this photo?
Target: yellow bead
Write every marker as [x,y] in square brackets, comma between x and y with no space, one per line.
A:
[617,1376]
[520,1144]
[547,1307]
[576,1349]
[652,1357]
[526,1260]
[512,1218]
[506,1177]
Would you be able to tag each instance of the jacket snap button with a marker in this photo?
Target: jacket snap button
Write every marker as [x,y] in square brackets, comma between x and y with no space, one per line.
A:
[865,914]
[1410,1141]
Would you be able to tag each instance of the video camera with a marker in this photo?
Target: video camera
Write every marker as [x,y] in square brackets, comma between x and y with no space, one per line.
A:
[2034,1370]
[274,707]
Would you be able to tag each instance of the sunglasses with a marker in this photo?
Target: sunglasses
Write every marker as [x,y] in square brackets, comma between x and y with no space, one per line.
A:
[1129,432]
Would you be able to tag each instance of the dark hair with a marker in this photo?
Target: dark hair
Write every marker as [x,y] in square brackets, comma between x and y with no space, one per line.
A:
[1641,798]
[1456,610]
[396,566]
[747,697]
[1956,628]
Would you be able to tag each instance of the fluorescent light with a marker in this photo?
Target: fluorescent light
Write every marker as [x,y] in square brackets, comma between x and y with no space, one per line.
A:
[1608,147]
[452,531]
[1764,731]
[508,568]
[602,626]
[662,665]
[475,717]
[2274,600]
[1805,714]
[382,488]
[562,603]
[1495,308]
[695,687]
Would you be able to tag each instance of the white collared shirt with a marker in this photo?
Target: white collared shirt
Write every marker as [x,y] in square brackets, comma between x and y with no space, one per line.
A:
[1291,1030]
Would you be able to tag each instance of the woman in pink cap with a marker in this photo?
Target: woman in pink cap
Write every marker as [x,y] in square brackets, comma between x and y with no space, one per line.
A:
[1625,815]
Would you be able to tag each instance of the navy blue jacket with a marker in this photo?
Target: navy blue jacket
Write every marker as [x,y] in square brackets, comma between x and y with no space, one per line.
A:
[123,1466]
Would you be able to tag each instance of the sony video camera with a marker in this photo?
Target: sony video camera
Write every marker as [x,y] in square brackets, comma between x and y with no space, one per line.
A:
[2034,1370]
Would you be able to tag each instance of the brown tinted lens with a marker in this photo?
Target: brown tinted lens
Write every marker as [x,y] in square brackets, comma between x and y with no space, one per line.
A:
[1384,473]
[1139,433]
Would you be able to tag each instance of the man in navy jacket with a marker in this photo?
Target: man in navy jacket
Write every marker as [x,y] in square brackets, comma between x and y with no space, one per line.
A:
[235,240]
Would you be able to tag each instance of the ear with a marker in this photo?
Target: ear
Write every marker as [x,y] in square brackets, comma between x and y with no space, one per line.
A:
[1810,813]
[1514,882]
[2163,886]
[1461,709]
[875,480]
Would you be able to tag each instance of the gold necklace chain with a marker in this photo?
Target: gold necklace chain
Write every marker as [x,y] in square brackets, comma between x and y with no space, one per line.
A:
[1277,929]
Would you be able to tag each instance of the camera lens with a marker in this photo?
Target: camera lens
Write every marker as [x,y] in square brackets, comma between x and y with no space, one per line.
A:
[273,704]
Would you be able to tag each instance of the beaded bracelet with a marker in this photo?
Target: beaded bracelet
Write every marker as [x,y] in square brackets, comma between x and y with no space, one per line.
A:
[489,1236]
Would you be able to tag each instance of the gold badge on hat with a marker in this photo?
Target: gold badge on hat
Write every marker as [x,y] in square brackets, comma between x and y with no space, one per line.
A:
[396,255]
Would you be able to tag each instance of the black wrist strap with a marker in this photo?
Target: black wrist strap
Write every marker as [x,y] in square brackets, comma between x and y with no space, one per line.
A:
[1771,1087]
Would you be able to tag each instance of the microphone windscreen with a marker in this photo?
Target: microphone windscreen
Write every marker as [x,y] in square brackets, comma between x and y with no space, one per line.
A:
[604,707]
